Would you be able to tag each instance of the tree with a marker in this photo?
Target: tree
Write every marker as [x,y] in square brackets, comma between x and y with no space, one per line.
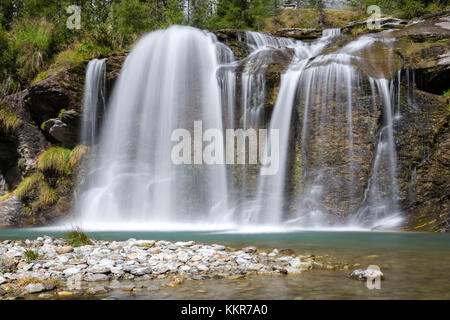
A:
[319,6]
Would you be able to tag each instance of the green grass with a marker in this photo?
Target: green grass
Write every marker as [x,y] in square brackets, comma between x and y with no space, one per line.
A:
[47,195]
[77,238]
[29,184]
[55,159]
[31,255]
[8,121]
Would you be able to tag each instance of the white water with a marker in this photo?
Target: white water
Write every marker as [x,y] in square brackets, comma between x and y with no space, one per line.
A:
[167,81]
[93,98]
[175,76]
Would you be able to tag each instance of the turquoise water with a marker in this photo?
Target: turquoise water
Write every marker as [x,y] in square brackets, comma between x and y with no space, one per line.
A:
[416,265]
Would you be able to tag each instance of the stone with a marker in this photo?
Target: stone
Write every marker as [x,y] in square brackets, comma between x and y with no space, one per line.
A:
[71,271]
[34,288]
[117,271]
[64,293]
[64,249]
[99,269]
[140,271]
[90,277]
[250,249]
[96,290]
[7,264]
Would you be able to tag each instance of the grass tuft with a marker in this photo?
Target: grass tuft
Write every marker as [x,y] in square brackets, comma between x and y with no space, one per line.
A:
[47,195]
[28,184]
[8,121]
[77,238]
[55,159]
[31,255]
[76,154]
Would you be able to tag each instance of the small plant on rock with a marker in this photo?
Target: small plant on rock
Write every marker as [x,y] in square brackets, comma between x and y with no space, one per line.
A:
[31,255]
[77,238]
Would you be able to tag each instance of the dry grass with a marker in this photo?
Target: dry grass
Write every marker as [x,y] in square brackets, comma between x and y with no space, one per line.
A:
[76,154]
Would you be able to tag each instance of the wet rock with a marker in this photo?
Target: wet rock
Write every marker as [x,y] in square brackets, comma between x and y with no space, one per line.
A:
[96,290]
[34,288]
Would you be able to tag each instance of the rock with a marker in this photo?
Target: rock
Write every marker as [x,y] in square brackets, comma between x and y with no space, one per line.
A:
[6,264]
[202,267]
[287,252]
[11,212]
[154,250]
[99,269]
[280,269]
[298,33]
[2,280]
[128,288]
[65,249]
[49,285]
[96,277]
[250,249]
[117,271]
[71,271]
[64,293]
[96,290]
[362,274]
[140,271]
[34,288]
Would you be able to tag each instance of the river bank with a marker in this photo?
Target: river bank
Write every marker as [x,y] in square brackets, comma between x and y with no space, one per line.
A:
[51,265]
[415,265]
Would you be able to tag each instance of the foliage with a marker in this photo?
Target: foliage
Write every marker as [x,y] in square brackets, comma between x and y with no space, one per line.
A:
[31,43]
[8,121]
[76,238]
[31,255]
[29,184]
[55,159]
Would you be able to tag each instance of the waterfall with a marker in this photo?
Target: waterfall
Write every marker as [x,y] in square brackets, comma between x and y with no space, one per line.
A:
[336,168]
[167,82]
[93,98]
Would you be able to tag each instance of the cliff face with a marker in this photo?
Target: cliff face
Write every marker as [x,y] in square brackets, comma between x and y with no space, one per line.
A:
[47,114]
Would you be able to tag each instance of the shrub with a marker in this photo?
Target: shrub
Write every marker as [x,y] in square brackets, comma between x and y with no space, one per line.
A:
[77,238]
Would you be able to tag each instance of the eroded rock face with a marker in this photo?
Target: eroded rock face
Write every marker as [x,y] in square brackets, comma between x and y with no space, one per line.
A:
[11,212]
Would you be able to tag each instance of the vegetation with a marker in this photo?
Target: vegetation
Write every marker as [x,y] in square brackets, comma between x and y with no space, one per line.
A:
[55,159]
[31,255]
[48,184]
[77,238]
[8,121]
[36,42]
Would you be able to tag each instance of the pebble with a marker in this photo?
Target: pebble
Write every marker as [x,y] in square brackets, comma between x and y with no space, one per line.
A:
[136,260]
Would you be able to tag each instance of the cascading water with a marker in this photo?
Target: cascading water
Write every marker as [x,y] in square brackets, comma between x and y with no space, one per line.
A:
[93,98]
[167,82]
[176,76]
